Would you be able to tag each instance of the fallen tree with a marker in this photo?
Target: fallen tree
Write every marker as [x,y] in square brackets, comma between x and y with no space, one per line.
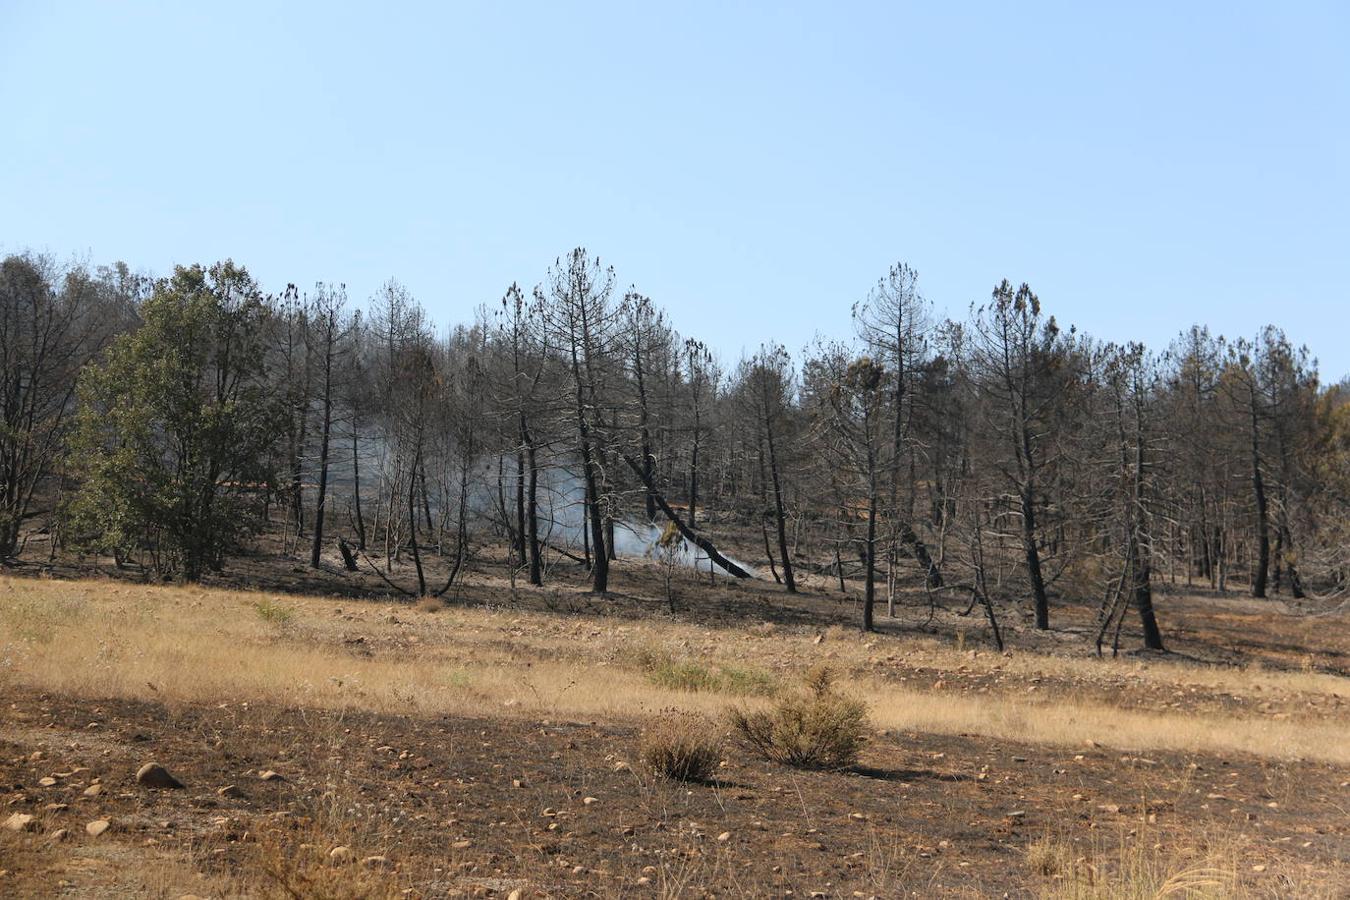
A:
[686,532]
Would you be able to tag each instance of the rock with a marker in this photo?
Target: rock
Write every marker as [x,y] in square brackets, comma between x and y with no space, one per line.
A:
[340,855]
[587,801]
[462,845]
[93,790]
[269,775]
[21,822]
[515,895]
[60,835]
[47,782]
[153,775]
[375,862]
[1017,814]
[97,827]
[230,790]
[724,837]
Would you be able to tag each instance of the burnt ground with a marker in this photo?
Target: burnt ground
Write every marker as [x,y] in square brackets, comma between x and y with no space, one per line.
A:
[479,807]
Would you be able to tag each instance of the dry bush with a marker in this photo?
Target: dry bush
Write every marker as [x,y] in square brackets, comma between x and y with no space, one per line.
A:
[1049,858]
[816,728]
[295,862]
[681,745]
[430,605]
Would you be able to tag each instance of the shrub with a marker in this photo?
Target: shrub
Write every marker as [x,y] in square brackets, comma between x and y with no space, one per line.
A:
[271,611]
[814,728]
[681,745]
[430,604]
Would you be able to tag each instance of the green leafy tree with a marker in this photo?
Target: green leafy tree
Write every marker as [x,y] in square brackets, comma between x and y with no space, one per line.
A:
[175,427]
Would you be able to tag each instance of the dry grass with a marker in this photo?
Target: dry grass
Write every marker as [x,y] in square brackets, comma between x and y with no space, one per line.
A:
[198,645]
[1143,863]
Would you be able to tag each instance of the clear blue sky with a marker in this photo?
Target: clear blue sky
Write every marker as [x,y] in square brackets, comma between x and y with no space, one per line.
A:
[752,167]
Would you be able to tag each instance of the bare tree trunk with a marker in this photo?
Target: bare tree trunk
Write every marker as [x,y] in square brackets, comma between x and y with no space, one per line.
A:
[532,514]
[356,490]
[779,516]
[1033,558]
[412,528]
[1260,573]
[317,547]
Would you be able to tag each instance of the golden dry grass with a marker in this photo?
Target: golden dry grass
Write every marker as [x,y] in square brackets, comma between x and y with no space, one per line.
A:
[102,639]
[1142,863]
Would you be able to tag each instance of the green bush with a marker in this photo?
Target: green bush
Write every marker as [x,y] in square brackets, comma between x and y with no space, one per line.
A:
[665,671]
[274,612]
[814,728]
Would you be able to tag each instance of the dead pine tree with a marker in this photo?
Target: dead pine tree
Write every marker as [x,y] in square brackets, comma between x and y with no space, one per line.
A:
[582,322]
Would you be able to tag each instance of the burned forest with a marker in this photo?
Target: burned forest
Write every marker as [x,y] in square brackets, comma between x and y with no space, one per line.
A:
[1002,462]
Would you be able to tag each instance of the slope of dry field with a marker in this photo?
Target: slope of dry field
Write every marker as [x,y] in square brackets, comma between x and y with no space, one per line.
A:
[488,747]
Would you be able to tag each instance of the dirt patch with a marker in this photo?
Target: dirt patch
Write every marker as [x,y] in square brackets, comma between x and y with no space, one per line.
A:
[469,807]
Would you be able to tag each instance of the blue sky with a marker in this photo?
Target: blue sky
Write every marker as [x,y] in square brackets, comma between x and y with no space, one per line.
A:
[755,168]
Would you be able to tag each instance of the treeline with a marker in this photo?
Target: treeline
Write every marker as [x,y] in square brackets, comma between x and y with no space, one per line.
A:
[1001,458]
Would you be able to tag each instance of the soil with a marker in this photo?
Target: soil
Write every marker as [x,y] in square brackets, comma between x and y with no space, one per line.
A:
[479,807]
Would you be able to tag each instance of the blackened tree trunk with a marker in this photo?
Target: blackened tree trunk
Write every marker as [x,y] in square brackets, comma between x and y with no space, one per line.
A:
[532,514]
[316,547]
[780,517]
[1033,559]
[360,522]
[412,526]
[1262,569]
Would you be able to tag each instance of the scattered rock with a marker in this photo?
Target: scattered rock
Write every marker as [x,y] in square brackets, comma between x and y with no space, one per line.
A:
[341,855]
[21,822]
[153,775]
[97,827]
